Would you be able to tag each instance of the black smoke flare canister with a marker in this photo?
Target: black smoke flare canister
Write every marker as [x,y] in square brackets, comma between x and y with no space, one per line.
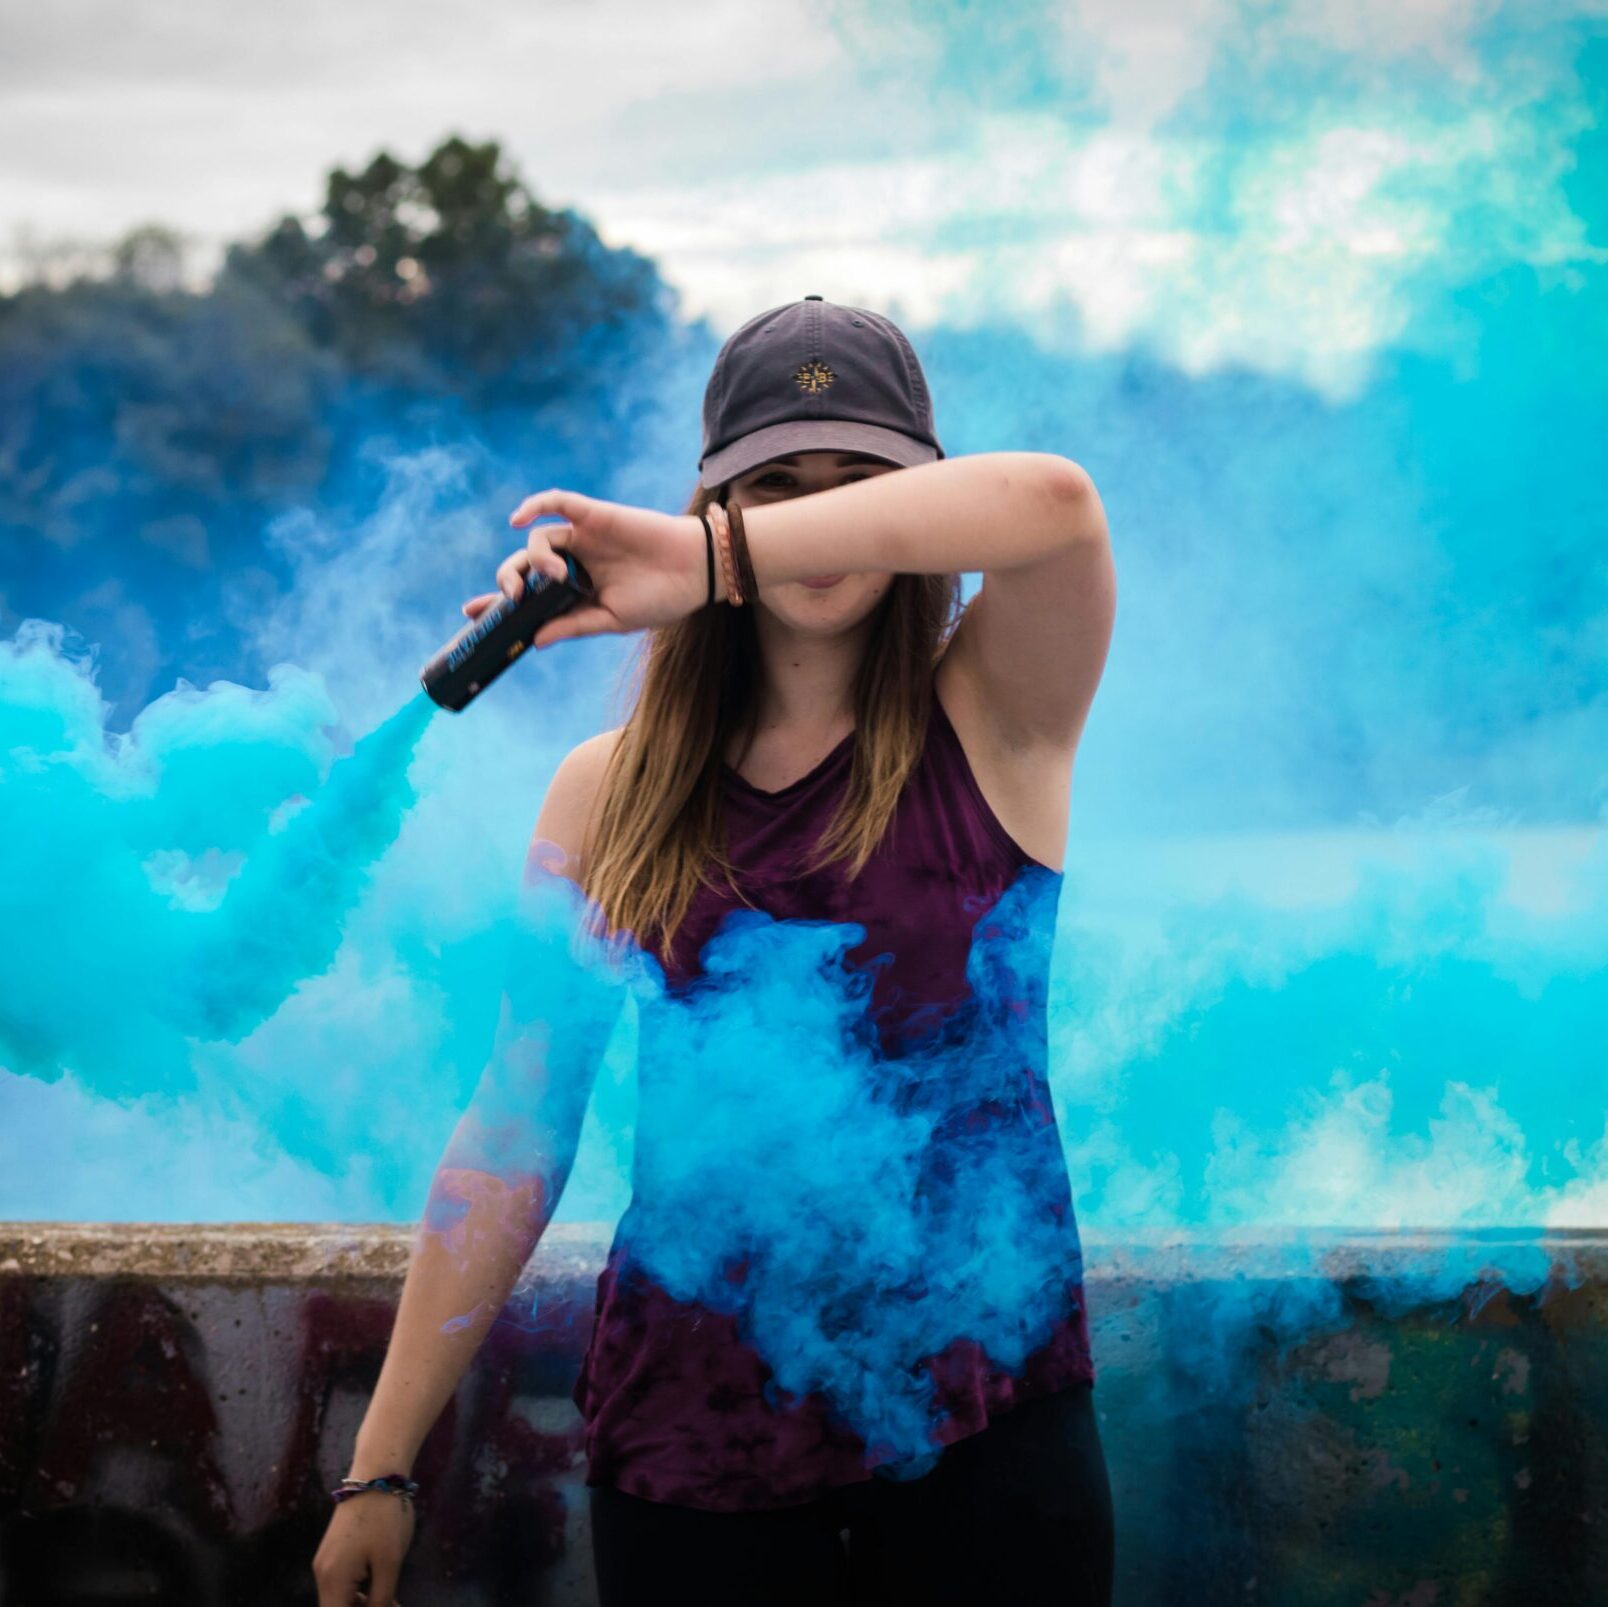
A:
[485,647]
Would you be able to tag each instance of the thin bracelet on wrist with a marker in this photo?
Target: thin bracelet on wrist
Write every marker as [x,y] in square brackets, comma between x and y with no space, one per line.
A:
[709,557]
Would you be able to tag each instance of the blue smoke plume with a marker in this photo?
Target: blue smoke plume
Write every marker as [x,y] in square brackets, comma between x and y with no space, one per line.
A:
[266,966]
[1330,954]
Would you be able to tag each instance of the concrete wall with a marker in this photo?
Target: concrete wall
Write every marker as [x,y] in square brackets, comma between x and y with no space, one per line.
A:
[1282,1425]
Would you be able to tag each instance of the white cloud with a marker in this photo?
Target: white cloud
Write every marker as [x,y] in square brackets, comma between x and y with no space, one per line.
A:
[1106,238]
[763,155]
[1438,30]
[1145,56]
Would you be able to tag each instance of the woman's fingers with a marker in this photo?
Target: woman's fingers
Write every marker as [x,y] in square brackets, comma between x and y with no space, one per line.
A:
[557,568]
[511,574]
[538,556]
[566,504]
[382,1584]
[543,555]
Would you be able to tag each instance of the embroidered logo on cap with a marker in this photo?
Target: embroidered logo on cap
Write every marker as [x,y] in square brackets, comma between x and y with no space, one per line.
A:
[814,377]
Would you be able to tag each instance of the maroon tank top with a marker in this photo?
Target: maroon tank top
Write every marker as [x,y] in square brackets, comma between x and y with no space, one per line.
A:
[957,1291]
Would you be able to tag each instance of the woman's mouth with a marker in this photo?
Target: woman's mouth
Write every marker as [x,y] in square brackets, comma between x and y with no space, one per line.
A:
[821,582]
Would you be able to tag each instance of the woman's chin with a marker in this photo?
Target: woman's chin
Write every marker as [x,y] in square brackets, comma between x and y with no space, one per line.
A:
[824,608]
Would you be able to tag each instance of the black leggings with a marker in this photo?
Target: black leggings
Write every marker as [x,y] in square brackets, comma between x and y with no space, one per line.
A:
[1019,1512]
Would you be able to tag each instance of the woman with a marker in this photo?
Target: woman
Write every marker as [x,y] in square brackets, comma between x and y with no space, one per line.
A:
[815,737]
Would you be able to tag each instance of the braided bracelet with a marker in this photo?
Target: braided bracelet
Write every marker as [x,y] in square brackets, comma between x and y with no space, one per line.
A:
[734,591]
[394,1483]
[739,548]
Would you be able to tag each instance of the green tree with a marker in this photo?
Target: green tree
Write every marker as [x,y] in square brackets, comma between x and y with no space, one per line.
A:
[451,278]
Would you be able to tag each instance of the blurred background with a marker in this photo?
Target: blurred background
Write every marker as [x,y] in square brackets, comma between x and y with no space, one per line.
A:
[298,303]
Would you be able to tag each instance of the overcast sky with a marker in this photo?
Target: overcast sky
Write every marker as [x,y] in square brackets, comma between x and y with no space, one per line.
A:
[1223,180]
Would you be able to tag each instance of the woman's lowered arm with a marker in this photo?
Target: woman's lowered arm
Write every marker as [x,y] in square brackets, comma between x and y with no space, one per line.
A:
[507,1162]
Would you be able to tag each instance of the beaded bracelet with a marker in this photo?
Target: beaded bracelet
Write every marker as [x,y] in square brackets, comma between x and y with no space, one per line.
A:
[394,1483]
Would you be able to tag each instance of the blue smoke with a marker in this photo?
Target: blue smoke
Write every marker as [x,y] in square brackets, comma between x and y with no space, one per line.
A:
[266,967]
[855,1209]
[180,883]
[1331,952]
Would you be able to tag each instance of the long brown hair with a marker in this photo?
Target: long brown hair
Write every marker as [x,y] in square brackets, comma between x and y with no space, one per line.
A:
[659,827]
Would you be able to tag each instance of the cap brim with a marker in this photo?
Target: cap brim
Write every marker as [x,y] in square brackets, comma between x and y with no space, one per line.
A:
[813,435]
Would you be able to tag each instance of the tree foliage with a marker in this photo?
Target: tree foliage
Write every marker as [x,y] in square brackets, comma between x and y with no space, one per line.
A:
[156,426]
[452,278]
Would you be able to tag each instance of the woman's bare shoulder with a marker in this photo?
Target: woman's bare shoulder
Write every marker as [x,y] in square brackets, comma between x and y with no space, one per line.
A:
[571,800]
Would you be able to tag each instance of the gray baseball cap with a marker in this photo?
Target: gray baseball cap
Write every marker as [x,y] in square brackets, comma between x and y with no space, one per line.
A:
[815,376]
